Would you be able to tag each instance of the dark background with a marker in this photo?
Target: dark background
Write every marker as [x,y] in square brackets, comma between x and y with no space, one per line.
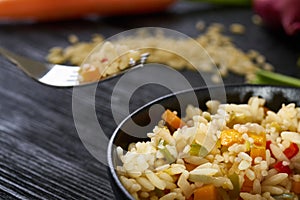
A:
[41,155]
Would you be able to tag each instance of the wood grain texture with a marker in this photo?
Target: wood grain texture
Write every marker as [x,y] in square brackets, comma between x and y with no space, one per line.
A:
[41,154]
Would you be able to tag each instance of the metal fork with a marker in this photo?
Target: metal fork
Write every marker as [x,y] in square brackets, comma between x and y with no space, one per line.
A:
[59,75]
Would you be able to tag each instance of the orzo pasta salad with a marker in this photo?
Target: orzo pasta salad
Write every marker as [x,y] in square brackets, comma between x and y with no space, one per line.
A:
[229,151]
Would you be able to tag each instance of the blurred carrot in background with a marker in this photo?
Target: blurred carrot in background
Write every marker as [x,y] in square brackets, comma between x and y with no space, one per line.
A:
[274,13]
[45,10]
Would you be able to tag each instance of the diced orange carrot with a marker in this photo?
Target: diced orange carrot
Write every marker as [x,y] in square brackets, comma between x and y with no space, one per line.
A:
[265,110]
[189,166]
[90,74]
[259,139]
[247,185]
[258,151]
[207,192]
[260,145]
[230,136]
[191,197]
[172,120]
[296,187]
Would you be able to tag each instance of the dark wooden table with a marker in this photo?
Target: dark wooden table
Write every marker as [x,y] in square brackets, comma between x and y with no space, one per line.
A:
[41,153]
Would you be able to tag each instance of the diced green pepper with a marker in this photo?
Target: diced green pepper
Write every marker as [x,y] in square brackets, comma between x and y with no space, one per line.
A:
[198,150]
[234,178]
[200,178]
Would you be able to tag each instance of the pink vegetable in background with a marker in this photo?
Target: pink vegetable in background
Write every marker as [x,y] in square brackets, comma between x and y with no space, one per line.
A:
[280,13]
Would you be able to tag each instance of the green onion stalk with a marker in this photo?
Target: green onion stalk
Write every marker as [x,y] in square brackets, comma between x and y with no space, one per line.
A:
[272,78]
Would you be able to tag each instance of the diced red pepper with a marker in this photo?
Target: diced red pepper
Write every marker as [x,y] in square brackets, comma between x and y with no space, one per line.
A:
[291,151]
[269,142]
[282,168]
[103,60]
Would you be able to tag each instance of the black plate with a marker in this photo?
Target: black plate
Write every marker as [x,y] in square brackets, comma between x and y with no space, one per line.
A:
[275,96]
